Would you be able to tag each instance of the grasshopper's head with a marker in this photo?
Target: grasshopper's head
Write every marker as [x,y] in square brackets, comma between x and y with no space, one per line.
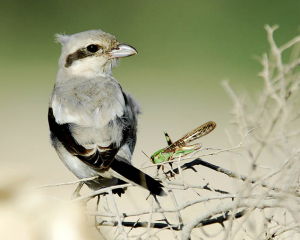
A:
[152,159]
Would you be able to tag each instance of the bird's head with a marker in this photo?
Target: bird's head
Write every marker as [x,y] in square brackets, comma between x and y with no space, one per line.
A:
[91,53]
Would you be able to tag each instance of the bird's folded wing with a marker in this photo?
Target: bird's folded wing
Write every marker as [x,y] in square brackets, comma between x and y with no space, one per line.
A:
[102,158]
[98,159]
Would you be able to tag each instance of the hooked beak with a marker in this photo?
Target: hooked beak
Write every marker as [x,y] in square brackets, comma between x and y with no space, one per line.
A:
[122,50]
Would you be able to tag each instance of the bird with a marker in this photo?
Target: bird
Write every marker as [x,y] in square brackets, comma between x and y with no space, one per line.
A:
[92,121]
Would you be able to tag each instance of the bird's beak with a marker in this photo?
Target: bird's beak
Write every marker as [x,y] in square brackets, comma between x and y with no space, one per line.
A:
[122,50]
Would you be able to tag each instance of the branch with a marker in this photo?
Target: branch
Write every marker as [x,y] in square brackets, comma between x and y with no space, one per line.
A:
[225,207]
[159,210]
[178,227]
[66,183]
[225,171]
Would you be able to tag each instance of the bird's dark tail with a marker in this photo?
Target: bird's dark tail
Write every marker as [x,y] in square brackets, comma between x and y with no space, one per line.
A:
[129,173]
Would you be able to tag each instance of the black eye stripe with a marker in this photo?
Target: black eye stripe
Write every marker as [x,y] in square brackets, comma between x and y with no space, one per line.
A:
[81,53]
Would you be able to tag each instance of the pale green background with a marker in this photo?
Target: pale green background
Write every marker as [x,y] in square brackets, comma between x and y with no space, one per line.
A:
[185,49]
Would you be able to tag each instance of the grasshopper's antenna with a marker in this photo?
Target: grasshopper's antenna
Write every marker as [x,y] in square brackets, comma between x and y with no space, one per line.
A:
[145,154]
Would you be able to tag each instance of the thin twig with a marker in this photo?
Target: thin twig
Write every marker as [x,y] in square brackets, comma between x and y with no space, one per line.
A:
[66,183]
[117,214]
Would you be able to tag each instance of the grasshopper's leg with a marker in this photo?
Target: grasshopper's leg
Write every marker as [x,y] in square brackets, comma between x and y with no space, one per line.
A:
[183,151]
[163,169]
[173,174]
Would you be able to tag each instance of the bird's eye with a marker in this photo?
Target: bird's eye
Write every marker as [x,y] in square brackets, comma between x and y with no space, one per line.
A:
[93,48]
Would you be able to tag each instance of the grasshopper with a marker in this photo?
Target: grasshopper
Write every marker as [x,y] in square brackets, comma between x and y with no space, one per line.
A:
[180,147]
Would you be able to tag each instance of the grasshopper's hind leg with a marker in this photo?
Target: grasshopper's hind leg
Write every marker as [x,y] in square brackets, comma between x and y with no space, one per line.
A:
[173,174]
[163,170]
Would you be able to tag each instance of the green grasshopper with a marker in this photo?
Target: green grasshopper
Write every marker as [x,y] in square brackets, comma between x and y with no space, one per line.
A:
[180,147]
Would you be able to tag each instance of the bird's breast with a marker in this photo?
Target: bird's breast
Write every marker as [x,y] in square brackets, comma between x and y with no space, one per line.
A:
[89,103]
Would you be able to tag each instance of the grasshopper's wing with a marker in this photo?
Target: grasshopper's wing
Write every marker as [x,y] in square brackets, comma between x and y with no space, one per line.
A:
[168,139]
[199,132]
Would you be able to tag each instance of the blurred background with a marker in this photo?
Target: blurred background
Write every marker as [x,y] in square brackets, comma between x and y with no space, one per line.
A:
[186,48]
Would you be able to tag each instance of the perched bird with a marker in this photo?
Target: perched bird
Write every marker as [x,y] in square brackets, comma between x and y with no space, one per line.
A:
[92,121]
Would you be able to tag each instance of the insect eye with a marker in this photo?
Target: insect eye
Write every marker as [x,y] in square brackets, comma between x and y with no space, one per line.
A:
[93,48]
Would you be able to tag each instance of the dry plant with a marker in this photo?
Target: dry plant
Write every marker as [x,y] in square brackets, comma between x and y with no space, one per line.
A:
[266,202]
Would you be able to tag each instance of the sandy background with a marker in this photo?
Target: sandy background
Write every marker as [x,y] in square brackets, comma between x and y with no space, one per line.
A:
[186,48]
